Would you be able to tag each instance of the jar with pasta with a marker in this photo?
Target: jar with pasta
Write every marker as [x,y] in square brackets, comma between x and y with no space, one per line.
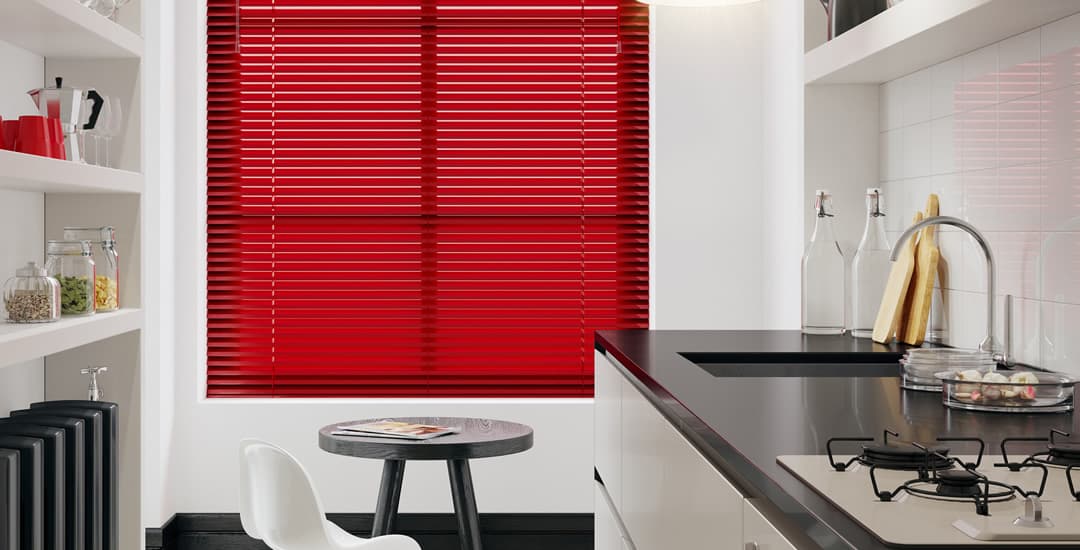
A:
[106,260]
[71,265]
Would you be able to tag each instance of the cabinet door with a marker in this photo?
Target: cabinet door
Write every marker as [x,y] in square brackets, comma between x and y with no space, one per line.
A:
[607,534]
[672,496]
[607,418]
[759,533]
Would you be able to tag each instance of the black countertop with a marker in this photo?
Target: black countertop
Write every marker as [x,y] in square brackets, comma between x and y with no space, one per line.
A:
[813,388]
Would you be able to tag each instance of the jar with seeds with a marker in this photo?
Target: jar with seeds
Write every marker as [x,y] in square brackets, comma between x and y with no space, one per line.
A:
[31,296]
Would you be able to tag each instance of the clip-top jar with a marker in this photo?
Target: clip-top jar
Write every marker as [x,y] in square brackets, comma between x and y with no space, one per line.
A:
[31,296]
[106,262]
[70,263]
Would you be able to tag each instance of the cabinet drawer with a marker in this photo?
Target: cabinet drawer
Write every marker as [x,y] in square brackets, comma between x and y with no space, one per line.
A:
[759,533]
[672,496]
[607,425]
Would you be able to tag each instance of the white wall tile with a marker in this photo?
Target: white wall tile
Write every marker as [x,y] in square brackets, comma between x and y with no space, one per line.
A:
[1061,53]
[981,203]
[945,79]
[1016,254]
[979,85]
[944,140]
[971,273]
[950,192]
[1019,138]
[891,110]
[1061,203]
[1019,66]
[1020,197]
[1027,331]
[915,89]
[1057,268]
[1060,349]
[978,138]
[1060,124]
[892,155]
[951,244]
[917,147]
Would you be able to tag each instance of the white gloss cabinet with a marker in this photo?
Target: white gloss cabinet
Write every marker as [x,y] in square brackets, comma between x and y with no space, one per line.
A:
[672,497]
[607,419]
[759,533]
[606,526]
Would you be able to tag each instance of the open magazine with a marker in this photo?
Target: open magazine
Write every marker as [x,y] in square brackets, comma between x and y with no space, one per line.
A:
[396,430]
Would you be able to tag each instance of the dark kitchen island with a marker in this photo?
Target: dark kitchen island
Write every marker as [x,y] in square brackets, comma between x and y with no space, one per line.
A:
[745,397]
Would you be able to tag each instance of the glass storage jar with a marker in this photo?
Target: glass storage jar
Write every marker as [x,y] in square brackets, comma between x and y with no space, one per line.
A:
[31,296]
[106,262]
[70,263]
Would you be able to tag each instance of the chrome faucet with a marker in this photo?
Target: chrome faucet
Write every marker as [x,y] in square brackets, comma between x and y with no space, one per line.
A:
[989,344]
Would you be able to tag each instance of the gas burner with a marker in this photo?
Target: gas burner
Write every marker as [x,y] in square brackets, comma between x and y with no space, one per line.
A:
[1060,454]
[963,484]
[1057,454]
[892,456]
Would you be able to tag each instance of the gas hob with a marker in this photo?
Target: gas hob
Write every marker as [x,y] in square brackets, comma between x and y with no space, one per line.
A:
[914,494]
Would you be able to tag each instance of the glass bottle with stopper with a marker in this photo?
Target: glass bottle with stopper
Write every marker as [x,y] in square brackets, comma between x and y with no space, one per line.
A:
[823,271]
[870,268]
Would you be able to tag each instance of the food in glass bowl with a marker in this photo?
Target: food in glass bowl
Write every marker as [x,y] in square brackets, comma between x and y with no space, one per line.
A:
[1020,391]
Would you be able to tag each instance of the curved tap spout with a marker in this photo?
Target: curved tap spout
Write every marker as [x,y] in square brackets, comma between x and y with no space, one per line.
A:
[989,344]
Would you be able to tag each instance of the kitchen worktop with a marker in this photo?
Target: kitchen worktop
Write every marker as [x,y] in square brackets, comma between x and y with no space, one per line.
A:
[812,388]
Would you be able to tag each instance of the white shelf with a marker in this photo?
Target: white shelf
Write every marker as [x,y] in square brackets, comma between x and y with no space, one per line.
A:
[22,342]
[65,29]
[919,33]
[23,172]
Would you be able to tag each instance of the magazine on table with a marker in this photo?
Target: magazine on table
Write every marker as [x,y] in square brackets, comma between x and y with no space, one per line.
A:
[396,430]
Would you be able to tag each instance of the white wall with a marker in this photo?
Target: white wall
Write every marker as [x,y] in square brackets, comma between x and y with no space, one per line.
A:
[707,167]
[995,134]
[22,214]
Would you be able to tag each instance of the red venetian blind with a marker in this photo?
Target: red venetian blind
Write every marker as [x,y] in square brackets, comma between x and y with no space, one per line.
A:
[423,197]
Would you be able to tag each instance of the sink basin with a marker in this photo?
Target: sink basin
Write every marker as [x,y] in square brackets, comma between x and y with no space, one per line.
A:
[721,366]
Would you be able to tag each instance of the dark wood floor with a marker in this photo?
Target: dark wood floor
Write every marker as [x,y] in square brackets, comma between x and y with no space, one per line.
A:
[432,531]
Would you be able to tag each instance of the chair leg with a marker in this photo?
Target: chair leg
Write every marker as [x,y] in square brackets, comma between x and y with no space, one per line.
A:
[461,487]
[389,496]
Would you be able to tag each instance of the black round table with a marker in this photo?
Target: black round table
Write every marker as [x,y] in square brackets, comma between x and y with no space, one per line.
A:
[479,438]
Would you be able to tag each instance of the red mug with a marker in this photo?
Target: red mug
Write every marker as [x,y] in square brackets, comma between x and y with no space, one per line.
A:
[34,138]
[56,139]
[9,130]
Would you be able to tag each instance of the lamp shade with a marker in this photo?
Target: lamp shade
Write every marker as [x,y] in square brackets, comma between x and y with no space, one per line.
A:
[696,3]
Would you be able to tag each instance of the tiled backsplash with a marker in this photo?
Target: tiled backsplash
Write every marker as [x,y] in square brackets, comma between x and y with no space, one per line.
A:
[996,134]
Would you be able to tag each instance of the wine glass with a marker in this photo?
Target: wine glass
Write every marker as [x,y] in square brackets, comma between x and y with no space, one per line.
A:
[113,127]
[99,132]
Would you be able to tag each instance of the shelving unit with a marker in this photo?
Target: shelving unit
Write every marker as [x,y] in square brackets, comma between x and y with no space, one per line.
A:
[22,342]
[21,172]
[66,29]
[39,196]
[919,33]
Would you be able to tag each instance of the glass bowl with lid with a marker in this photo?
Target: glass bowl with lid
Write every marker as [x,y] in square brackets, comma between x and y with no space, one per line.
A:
[1016,391]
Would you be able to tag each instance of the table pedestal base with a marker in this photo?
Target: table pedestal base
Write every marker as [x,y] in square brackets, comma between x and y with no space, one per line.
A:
[461,488]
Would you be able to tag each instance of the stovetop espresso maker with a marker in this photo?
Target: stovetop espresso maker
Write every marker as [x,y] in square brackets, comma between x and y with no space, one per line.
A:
[66,104]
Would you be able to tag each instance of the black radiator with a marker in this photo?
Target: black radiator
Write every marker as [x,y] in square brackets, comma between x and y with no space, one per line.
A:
[64,459]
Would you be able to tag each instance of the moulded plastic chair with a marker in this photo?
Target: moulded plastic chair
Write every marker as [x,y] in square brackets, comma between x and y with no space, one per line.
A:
[279,505]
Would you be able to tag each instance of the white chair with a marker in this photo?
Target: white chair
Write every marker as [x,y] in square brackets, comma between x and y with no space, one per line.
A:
[279,505]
